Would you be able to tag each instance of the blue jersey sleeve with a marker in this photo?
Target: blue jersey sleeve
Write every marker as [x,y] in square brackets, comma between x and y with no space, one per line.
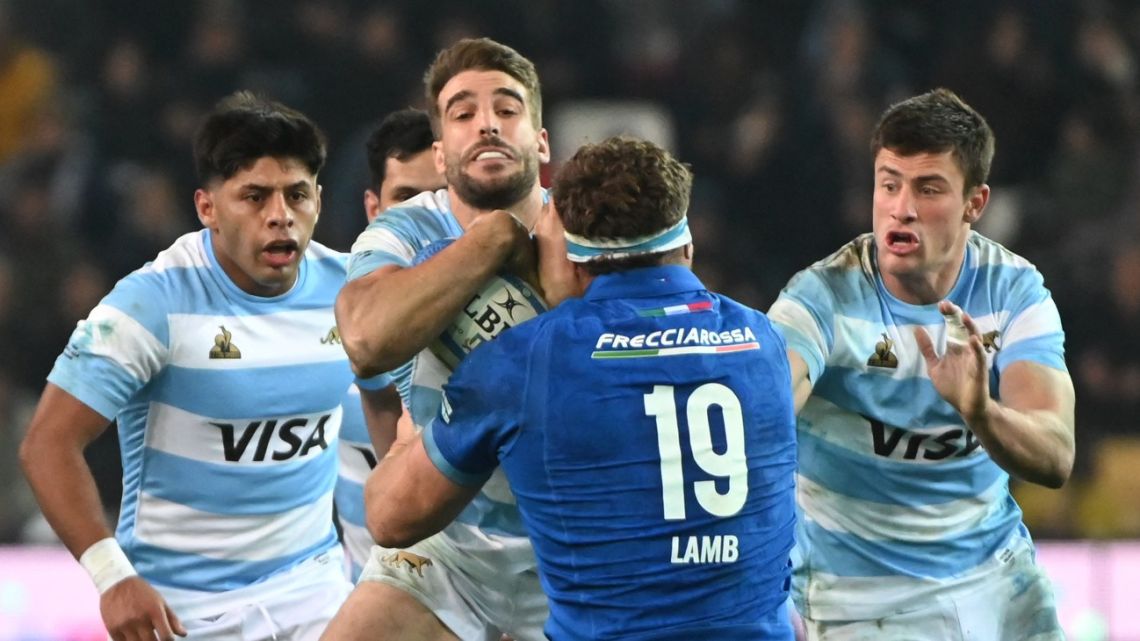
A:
[478,417]
[1033,331]
[803,315]
[119,347]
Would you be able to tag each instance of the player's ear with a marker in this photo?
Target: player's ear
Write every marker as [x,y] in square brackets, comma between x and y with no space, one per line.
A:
[204,205]
[371,204]
[976,204]
[438,156]
[543,146]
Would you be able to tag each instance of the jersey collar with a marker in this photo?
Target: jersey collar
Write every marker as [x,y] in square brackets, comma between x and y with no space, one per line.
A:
[644,282]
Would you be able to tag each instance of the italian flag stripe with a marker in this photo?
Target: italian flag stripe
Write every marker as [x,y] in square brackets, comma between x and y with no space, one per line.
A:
[674,310]
[675,351]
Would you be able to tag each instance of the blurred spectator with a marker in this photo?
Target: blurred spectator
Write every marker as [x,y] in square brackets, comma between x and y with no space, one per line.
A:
[28,79]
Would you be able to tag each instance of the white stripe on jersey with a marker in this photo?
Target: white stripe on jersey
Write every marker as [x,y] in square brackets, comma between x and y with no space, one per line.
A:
[353,466]
[176,431]
[124,340]
[239,538]
[188,251]
[266,340]
[791,313]
[382,240]
[881,521]
[1033,321]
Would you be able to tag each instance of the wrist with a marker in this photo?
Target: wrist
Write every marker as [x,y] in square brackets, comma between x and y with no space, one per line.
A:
[107,564]
[980,419]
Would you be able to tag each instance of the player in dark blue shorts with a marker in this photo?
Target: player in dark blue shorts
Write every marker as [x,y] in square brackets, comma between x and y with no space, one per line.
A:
[646,428]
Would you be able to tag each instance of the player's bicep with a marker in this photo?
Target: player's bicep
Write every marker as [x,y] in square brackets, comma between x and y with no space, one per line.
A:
[1027,386]
[63,421]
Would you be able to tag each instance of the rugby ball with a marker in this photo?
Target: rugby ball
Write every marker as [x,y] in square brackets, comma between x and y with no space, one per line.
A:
[503,302]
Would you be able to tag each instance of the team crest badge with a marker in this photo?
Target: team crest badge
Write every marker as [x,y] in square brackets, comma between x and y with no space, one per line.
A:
[989,341]
[883,356]
[224,346]
[409,561]
[332,338]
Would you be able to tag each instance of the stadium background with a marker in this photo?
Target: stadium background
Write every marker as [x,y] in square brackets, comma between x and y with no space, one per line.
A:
[770,102]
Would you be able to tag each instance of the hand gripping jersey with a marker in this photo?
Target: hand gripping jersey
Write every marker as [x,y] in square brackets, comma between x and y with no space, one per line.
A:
[489,533]
[648,434]
[898,498]
[228,409]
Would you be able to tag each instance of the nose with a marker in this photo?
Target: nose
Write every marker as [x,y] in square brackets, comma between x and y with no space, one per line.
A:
[278,213]
[490,125]
[903,208]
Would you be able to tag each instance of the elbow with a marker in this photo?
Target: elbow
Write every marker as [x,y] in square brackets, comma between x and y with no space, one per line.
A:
[1057,474]
[367,355]
[28,448]
[387,532]
[1060,473]
[368,358]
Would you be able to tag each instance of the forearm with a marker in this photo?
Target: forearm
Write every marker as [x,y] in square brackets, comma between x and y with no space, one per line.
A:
[385,318]
[388,523]
[66,491]
[407,498]
[1033,445]
[382,410]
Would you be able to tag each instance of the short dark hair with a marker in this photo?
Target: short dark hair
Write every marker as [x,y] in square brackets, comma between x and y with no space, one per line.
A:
[621,187]
[936,122]
[243,127]
[481,54]
[401,135]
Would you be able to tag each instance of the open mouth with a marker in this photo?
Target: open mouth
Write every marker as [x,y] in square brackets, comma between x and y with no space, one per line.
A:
[491,153]
[280,252]
[902,241]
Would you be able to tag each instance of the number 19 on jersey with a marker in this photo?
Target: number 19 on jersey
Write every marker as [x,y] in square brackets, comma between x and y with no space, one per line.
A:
[732,464]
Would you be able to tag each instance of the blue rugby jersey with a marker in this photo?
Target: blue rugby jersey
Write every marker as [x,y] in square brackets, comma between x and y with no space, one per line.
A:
[489,532]
[228,409]
[647,431]
[899,499]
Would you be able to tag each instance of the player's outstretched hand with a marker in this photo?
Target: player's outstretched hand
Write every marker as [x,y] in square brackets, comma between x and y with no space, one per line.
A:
[960,375]
[556,273]
[132,611]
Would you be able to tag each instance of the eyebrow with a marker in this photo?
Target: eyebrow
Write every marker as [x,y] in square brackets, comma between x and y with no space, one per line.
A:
[467,94]
[926,178]
[300,184]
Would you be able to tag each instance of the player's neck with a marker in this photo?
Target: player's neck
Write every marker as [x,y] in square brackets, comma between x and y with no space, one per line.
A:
[923,287]
[527,210]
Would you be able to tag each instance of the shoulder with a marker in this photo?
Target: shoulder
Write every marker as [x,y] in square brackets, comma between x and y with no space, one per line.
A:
[163,281]
[327,262]
[848,269]
[1004,274]
[423,218]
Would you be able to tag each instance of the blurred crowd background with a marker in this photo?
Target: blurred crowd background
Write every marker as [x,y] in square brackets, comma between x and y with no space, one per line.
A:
[770,102]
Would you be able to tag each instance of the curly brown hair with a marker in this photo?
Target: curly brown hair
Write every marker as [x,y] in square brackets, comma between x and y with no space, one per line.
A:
[621,188]
[481,54]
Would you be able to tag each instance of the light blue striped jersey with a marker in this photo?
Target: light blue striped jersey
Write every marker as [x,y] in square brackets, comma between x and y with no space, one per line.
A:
[228,409]
[489,531]
[357,458]
[898,499]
